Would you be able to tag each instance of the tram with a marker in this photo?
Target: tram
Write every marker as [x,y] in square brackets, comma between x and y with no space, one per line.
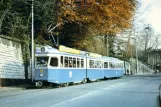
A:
[66,65]
[113,67]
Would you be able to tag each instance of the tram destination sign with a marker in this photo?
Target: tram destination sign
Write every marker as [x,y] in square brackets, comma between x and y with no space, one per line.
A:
[69,50]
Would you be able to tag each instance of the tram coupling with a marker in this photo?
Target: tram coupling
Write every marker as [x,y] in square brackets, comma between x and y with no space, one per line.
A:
[38,84]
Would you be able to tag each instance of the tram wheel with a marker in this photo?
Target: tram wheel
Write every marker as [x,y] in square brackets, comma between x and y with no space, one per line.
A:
[84,81]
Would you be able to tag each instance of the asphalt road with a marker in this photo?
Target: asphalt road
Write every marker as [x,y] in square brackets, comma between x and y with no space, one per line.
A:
[134,91]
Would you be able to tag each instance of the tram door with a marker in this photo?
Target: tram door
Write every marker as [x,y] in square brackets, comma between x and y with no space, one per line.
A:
[41,67]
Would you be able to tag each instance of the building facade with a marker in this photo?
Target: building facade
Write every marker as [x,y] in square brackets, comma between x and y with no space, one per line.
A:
[154,59]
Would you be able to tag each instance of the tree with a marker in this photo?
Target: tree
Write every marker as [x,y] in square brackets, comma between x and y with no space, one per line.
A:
[14,19]
[45,18]
[84,17]
[100,17]
[148,41]
[97,17]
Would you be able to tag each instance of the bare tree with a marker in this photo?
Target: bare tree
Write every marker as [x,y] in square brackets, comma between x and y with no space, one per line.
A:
[148,41]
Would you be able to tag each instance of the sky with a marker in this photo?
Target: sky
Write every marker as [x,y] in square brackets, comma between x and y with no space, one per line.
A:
[152,13]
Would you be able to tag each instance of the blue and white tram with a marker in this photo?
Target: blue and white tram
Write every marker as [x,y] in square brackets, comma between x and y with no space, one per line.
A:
[58,67]
[113,67]
[66,65]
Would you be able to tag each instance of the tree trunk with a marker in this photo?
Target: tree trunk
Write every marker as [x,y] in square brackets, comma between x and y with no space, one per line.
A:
[106,45]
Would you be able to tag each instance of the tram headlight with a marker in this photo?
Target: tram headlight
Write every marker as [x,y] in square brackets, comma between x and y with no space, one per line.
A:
[41,75]
[43,49]
[41,71]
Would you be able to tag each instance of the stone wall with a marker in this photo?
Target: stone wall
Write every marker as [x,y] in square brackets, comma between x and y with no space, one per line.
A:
[142,68]
[11,61]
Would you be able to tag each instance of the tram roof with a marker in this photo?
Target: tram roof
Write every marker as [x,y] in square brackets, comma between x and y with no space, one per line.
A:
[112,59]
[62,50]
[70,51]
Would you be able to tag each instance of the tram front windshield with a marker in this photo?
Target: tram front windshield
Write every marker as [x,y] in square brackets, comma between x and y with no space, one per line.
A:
[42,61]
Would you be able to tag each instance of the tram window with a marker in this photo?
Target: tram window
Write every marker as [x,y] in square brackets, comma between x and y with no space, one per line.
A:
[105,64]
[102,65]
[54,62]
[99,64]
[78,62]
[70,62]
[66,62]
[74,62]
[111,65]
[42,61]
[114,65]
[82,63]
[121,65]
[96,64]
[117,65]
[91,63]
[61,59]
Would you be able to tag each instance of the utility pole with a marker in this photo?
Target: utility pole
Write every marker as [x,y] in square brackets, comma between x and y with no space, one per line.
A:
[32,41]
[136,54]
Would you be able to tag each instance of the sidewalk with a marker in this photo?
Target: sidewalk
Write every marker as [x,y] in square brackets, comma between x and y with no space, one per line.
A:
[16,88]
[10,89]
[142,75]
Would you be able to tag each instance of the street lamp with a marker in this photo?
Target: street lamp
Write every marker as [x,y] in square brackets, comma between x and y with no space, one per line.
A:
[146,45]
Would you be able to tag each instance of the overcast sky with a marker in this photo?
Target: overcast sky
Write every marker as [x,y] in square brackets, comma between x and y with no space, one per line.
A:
[153,13]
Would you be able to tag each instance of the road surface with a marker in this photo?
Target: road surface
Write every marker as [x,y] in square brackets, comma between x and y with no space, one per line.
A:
[133,91]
